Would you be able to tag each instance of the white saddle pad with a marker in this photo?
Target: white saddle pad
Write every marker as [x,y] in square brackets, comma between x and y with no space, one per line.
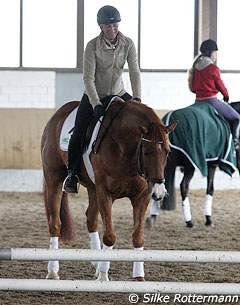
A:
[65,137]
[67,128]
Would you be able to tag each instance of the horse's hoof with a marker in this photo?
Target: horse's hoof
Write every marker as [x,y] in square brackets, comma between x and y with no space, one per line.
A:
[189,224]
[209,224]
[150,221]
[139,279]
[102,276]
[96,274]
[52,276]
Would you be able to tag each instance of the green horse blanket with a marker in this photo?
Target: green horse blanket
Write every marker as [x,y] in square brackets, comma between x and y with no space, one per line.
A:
[203,135]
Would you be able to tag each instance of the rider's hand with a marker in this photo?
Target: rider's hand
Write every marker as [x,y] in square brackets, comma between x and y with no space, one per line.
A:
[98,111]
[226,99]
[136,99]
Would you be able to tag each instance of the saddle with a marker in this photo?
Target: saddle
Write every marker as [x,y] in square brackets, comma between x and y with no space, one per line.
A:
[106,122]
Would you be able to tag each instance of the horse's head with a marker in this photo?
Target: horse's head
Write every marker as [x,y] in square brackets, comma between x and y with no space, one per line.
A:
[152,156]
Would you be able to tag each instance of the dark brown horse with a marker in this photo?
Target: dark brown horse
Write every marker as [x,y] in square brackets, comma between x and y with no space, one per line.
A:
[128,160]
[179,158]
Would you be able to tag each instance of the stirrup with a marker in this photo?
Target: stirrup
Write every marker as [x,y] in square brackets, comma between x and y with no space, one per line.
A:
[71,184]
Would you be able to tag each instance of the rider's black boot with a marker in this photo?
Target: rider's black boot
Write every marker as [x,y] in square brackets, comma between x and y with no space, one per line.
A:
[70,184]
[236,134]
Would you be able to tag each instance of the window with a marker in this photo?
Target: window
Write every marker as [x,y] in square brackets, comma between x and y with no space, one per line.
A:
[49,33]
[49,37]
[228,44]
[167,34]
[9,33]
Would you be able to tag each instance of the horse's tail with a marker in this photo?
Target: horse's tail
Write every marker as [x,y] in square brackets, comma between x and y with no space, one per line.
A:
[169,201]
[68,229]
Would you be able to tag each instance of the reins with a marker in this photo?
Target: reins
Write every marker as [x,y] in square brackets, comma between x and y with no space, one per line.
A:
[100,138]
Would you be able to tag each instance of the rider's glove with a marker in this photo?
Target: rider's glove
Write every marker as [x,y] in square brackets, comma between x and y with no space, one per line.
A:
[98,111]
[226,99]
[136,99]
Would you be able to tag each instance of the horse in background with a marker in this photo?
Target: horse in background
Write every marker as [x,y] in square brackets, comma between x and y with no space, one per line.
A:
[128,159]
[201,129]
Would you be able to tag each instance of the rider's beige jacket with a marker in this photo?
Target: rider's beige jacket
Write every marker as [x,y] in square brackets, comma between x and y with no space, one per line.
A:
[103,66]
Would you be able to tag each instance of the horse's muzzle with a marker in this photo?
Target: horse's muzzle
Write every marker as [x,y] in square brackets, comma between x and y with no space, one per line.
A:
[158,191]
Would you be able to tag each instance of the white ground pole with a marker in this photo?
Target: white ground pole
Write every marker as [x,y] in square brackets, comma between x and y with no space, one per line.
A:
[178,256]
[120,286]
[36,254]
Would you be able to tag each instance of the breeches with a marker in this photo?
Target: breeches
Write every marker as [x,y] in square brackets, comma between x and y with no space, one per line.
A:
[225,109]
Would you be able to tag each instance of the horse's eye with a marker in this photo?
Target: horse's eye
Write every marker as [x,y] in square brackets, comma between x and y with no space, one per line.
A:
[147,153]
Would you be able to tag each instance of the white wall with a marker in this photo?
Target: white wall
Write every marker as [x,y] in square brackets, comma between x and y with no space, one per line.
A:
[43,89]
[25,180]
[27,89]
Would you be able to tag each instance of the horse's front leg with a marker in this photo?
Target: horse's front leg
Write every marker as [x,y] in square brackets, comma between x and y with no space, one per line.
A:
[140,205]
[92,224]
[109,236]
[209,195]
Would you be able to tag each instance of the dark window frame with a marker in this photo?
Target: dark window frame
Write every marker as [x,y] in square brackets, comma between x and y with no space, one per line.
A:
[198,19]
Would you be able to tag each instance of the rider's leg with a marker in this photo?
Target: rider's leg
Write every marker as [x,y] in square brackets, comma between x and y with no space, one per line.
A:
[76,143]
[231,115]
[75,148]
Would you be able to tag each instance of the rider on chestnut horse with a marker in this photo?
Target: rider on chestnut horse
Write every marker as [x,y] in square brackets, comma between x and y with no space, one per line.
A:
[104,60]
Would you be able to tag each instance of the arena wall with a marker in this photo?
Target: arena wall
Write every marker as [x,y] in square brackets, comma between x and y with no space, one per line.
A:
[29,98]
[21,131]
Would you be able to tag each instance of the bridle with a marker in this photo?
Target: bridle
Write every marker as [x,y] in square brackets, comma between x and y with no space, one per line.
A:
[141,169]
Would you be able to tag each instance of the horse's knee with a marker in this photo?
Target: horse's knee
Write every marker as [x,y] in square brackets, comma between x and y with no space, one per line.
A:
[138,239]
[109,239]
[92,218]
[55,228]
[92,225]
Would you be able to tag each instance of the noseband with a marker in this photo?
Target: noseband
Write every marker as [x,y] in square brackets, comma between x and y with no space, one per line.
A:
[141,170]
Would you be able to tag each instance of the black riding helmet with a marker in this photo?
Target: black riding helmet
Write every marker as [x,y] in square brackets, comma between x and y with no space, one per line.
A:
[208,46]
[107,15]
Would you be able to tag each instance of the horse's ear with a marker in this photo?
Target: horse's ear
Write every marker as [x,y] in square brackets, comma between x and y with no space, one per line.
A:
[143,129]
[172,126]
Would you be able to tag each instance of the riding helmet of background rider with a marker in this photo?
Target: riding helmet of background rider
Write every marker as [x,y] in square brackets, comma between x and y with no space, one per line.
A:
[208,46]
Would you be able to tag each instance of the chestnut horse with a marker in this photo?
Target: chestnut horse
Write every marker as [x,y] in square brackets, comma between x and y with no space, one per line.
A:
[129,161]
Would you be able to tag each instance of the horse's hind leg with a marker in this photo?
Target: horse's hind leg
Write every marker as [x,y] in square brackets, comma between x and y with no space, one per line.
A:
[169,201]
[209,194]
[154,212]
[52,196]
[184,188]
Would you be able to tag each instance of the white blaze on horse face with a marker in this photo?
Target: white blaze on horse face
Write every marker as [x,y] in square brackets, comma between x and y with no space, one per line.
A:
[158,191]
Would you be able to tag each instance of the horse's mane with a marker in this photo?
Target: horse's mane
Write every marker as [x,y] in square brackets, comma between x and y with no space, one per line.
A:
[126,115]
[156,125]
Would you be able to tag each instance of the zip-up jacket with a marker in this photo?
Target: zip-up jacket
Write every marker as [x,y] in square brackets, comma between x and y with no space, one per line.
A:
[103,66]
[205,79]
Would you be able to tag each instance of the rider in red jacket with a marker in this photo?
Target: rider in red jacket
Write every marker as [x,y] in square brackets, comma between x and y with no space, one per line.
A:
[205,81]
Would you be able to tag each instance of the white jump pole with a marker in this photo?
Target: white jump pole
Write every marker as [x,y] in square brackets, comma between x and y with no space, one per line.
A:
[120,286]
[37,254]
